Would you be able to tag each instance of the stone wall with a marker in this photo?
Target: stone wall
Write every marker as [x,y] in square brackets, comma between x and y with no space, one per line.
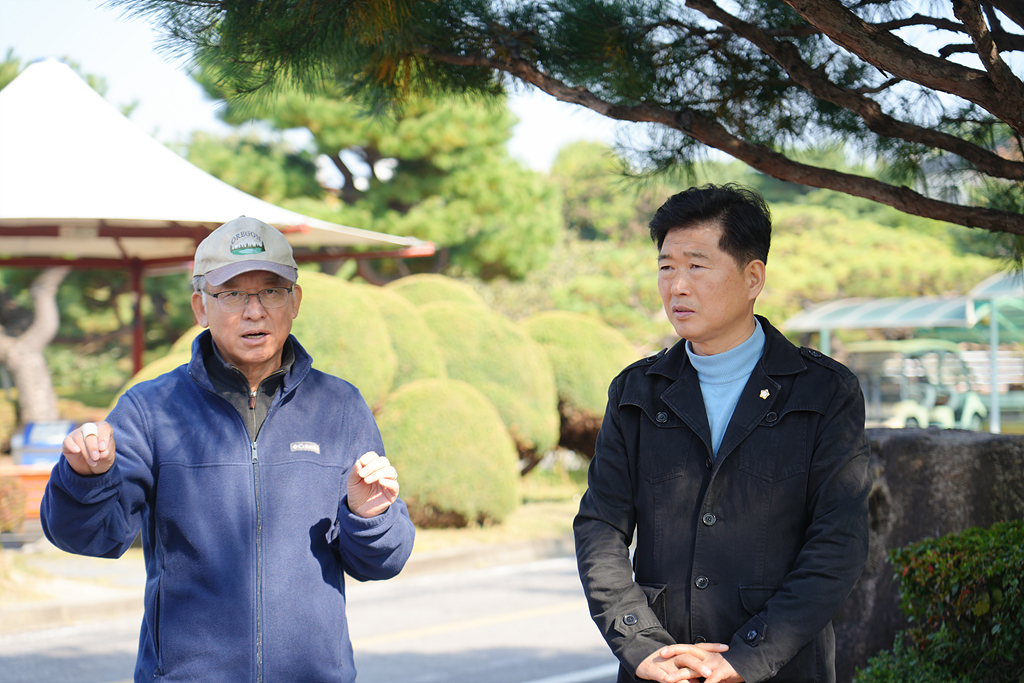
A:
[927,483]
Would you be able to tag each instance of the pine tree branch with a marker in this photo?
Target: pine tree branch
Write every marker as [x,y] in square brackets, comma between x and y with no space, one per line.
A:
[814,81]
[711,133]
[969,12]
[890,54]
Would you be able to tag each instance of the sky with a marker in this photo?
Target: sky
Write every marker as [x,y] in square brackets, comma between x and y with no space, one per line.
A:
[171,105]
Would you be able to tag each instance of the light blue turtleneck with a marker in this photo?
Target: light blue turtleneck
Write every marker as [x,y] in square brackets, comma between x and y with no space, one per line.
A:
[722,378]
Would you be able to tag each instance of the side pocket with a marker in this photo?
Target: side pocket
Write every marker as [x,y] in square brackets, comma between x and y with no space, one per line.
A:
[155,627]
[754,598]
[655,593]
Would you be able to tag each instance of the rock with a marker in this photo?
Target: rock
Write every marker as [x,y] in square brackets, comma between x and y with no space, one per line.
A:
[927,483]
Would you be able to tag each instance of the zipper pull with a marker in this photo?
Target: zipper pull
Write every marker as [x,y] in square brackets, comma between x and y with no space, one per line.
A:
[252,399]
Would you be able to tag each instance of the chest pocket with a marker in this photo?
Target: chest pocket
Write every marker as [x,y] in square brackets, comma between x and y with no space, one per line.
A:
[780,446]
[665,443]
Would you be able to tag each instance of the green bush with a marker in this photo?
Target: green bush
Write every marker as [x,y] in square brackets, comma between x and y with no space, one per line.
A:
[154,370]
[456,462]
[344,332]
[905,664]
[184,343]
[497,357]
[346,336]
[963,595]
[412,341]
[585,355]
[427,288]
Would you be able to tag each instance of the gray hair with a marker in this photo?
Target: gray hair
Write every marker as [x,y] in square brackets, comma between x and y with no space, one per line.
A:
[199,285]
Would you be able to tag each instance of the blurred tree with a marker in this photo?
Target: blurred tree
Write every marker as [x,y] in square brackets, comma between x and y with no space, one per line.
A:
[437,171]
[269,169]
[22,352]
[601,198]
[938,97]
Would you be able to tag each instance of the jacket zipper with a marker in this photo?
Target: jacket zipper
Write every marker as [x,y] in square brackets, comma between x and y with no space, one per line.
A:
[259,565]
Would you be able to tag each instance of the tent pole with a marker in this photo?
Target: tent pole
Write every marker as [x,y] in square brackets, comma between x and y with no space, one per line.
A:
[994,421]
[138,328]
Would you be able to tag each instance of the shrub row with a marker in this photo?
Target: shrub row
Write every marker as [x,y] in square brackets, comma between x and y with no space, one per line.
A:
[964,596]
[465,397]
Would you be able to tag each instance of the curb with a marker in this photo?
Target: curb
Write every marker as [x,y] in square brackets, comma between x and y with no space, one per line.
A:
[34,616]
[51,614]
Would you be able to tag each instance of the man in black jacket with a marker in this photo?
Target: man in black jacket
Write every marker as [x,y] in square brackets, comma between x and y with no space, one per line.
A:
[740,463]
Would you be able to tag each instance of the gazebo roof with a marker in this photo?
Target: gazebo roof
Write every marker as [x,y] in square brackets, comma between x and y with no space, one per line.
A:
[82,185]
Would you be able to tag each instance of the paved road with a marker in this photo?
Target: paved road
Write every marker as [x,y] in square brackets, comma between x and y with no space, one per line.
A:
[524,623]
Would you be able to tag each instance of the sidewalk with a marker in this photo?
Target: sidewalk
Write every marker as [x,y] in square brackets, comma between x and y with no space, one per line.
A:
[59,588]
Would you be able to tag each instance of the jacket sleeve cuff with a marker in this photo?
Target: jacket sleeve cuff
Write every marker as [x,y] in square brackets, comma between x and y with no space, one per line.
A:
[747,655]
[86,489]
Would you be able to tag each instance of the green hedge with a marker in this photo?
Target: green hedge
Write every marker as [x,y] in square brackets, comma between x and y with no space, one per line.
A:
[158,367]
[342,328]
[412,341]
[456,462]
[585,355]
[500,359]
[346,336]
[964,596]
[427,288]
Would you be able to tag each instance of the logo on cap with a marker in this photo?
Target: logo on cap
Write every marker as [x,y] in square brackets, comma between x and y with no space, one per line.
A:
[246,242]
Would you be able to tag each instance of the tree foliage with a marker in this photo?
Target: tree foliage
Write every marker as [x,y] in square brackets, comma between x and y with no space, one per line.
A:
[436,170]
[938,97]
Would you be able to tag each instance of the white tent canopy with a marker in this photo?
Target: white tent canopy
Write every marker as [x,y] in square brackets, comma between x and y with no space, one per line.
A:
[73,168]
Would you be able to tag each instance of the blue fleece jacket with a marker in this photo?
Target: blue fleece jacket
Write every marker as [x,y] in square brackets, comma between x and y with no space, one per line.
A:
[245,543]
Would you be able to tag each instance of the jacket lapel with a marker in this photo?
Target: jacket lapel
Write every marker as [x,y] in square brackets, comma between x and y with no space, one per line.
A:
[684,396]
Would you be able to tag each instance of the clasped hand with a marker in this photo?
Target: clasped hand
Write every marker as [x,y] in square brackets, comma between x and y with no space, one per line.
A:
[684,662]
[372,485]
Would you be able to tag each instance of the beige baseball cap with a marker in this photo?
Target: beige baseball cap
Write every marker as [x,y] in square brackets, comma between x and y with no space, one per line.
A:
[242,245]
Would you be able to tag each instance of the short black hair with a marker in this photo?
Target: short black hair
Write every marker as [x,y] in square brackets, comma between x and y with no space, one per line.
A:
[742,212]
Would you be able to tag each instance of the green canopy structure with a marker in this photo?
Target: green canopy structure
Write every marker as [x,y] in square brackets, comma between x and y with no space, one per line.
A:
[992,312]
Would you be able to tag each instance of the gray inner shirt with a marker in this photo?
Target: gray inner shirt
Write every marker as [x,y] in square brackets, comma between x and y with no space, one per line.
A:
[229,382]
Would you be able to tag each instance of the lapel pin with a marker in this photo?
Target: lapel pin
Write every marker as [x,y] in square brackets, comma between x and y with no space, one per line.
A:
[765,393]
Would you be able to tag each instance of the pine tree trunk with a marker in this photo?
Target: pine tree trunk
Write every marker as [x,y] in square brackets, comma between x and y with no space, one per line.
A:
[23,355]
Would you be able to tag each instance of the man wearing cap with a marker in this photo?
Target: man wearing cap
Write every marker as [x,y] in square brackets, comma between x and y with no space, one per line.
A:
[254,479]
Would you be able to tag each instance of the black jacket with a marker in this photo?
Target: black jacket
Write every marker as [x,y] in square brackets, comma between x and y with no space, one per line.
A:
[757,548]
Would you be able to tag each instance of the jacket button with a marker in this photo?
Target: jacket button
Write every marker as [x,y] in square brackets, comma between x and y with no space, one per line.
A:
[708,519]
[661,417]
[708,463]
[701,582]
[752,634]
[771,417]
[816,354]
[629,619]
[699,639]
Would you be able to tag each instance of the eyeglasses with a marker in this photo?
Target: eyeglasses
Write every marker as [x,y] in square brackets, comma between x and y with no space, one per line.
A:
[232,302]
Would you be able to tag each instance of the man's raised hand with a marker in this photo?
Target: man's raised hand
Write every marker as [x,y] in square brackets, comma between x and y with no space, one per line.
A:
[90,448]
[372,485]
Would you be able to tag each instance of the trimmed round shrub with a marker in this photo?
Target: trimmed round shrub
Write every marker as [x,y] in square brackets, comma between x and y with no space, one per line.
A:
[184,343]
[585,355]
[158,367]
[456,462]
[426,288]
[342,329]
[500,359]
[346,335]
[412,341]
